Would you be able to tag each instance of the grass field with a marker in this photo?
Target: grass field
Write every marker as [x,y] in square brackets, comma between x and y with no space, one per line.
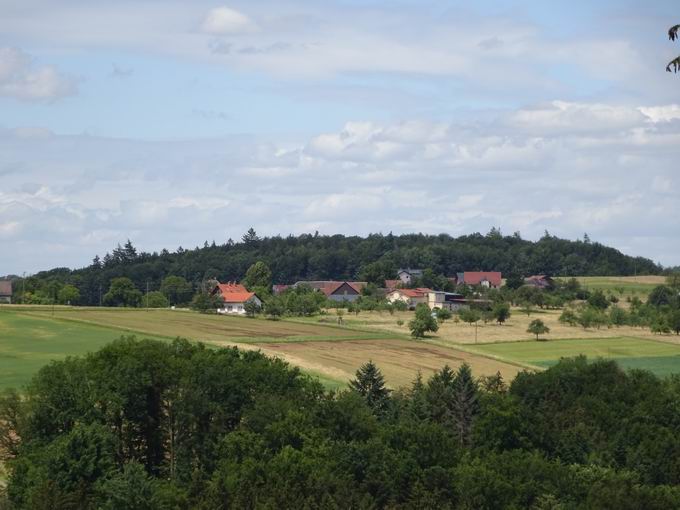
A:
[208,328]
[27,343]
[31,337]
[661,358]
[515,329]
[640,286]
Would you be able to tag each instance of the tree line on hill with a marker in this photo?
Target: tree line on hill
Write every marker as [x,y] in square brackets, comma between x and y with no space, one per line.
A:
[155,425]
[374,259]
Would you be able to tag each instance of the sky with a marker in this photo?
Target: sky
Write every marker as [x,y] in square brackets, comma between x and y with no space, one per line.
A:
[171,123]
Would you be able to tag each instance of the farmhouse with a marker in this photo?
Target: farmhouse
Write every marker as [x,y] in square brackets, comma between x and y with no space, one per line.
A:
[489,279]
[540,281]
[390,285]
[235,297]
[411,297]
[447,300]
[336,290]
[6,291]
[407,276]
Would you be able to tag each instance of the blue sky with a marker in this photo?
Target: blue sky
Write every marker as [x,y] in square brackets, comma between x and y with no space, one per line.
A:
[171,122]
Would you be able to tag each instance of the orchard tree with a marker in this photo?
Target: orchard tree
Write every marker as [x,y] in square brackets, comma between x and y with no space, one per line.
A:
[501,312]
[538,327]
[443,314]
[423,322]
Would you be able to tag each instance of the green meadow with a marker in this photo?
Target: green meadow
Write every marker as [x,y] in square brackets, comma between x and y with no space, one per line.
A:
[662,358]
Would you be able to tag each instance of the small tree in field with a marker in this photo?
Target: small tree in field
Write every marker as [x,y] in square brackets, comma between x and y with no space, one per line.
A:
[443,314]
[501,312]
[423,322]
[251,308]
[538,327]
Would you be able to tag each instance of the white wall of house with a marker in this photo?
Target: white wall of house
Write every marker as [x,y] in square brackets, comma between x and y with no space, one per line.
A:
[238,308]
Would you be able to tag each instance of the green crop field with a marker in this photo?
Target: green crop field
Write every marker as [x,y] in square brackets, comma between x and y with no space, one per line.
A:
[640,286]
[662,358]
[27,343]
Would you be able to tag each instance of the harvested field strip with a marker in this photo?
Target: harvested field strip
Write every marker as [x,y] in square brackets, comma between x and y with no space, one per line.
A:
[399,360]
[196,326]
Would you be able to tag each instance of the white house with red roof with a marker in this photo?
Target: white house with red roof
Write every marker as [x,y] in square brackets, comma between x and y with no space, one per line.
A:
[235,297]
[411,297]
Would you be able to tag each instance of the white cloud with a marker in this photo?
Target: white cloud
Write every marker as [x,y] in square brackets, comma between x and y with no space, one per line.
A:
[562,117]
[21,79]
[226,21]
[615,182]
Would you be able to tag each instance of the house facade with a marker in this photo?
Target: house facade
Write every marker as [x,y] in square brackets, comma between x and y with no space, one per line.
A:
[488,279]
[336,290]
[235,297]
[408,276]
[539,281]
[6,291]
[412,297]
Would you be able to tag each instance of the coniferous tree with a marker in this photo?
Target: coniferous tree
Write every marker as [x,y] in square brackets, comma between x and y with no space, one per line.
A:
[370,384]
[465,405]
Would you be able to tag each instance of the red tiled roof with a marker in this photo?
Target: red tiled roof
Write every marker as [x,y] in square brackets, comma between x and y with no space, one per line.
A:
[231,287]
[278,289]
[476,277]
[233,292]
[413,293]
[237,297]
[392,284]
[328,287]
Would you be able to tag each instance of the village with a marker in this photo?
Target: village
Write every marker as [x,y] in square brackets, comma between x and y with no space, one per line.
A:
[236,296]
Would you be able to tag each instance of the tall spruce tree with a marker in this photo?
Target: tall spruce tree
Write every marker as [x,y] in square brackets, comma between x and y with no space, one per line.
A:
[370,384]
[465,405]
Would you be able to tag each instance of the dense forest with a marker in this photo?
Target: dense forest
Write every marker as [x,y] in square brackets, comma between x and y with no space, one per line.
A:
[154,425]
[317,257]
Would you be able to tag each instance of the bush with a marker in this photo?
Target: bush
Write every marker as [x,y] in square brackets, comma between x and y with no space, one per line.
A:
[156,299]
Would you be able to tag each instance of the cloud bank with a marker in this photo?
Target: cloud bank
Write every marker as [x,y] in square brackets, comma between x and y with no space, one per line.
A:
[566,167]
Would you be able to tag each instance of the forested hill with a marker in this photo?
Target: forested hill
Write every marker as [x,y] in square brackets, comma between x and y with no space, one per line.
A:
[339,257]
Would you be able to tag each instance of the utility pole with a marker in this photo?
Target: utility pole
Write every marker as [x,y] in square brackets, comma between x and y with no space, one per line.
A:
[100,294]
[23,289]
[147,295]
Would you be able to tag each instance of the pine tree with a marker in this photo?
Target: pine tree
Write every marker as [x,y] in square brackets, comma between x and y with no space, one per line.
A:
[251,236]
[370,384]
[465,405]
[418,399]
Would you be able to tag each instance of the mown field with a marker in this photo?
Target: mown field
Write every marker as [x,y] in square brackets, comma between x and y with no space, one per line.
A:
[515,329]
[32,336]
